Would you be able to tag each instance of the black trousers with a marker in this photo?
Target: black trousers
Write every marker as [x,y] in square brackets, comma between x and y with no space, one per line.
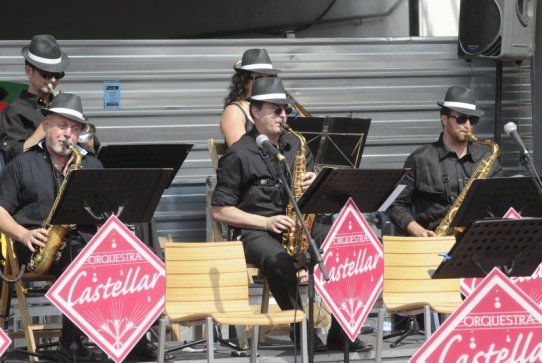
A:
[264,250]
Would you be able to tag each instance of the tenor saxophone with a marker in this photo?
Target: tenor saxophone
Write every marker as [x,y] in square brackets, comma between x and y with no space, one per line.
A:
[295,241]
[481,172]
[43,258]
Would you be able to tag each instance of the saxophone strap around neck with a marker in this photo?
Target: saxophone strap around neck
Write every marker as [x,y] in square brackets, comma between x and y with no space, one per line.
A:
[446,181]
[272,165]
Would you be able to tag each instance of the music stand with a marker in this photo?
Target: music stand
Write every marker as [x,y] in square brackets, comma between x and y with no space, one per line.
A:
[509,244]
[92,195]
[334,141]
[491,198]
[145,156]
[332,187]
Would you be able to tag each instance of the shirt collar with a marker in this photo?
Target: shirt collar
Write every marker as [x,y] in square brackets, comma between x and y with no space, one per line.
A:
[33,99]
[284,142]
[473,154]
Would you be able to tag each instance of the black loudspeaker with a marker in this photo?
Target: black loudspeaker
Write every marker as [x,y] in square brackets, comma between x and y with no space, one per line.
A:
[497,29]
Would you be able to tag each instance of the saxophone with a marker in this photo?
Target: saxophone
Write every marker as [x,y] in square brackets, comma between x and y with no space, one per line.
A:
[295,241]
[481,172]
[43,258]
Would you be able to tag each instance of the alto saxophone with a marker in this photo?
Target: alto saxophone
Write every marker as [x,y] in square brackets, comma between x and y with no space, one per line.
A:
[481,172]
[295,241]
[43,258]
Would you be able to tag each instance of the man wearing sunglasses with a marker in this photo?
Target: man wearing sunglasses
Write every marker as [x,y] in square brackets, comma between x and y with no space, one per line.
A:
[440,170]
[249,197]
[20,123]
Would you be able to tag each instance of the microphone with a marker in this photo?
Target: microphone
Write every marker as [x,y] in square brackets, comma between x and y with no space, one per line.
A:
[511,130]
[263,143]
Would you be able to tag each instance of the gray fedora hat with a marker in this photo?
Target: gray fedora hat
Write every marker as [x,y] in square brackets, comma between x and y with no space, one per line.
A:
[67,105]
[269,90]
[44,53]
[257,61]
[462,100]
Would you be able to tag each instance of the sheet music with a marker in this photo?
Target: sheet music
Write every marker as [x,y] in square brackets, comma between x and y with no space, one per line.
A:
[398,189]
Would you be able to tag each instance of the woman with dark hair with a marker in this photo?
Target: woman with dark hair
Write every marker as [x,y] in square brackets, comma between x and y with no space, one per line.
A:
[236,120]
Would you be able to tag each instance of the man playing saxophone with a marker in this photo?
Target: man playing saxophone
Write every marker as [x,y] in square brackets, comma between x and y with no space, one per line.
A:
[249,197]
[20,122]
[28,188]
[440,170]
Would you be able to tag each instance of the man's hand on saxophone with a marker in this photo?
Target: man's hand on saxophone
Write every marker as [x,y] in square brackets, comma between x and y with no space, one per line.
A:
[307,179]
[416,230]
[33,238]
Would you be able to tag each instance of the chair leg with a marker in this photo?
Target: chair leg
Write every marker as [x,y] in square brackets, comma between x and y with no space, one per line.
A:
[379,335]
[304,342]
[25,317]
[254,345]
[210,340]
[427,321]
[162,340]
[266,293]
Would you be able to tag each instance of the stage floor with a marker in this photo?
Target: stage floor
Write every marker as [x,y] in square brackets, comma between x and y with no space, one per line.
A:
[278,349]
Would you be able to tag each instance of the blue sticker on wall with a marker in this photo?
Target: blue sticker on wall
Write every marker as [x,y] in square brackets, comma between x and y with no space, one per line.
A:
[111,94]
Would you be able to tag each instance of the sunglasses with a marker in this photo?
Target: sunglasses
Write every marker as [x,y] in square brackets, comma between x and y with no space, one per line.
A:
[461,119]
[49,75]
[278,111]
[254,77]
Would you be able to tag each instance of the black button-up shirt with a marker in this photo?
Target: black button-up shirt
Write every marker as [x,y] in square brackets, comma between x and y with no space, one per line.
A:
[18,122]
[247,181]
[28,185]
[426,198]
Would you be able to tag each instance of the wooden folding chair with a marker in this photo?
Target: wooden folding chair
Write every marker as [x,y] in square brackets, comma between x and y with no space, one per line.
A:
[216,233]
[408,288]
[206,283]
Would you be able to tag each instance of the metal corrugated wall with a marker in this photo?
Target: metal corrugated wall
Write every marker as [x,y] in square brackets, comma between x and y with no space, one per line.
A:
[172,91]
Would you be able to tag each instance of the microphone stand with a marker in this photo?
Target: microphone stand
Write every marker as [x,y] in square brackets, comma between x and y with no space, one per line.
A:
[527,162]
[307,259]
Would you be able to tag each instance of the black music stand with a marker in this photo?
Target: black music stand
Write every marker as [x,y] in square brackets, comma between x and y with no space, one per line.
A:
[93,195]
[334,141]
[332,187]
[512,245]
[145,156]
[491,198]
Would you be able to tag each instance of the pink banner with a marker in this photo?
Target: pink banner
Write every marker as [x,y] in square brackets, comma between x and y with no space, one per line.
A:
[4,341]
[113,290]
[353,257]
[497,323]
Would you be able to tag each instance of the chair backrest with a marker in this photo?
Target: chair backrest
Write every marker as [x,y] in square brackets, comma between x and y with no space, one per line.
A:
[216,231]
[205,278]
[407,263]
[216,150]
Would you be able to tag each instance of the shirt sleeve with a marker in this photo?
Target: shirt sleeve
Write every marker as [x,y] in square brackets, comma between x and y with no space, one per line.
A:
[12,134]
[229,181]
[400,210]
[9,187]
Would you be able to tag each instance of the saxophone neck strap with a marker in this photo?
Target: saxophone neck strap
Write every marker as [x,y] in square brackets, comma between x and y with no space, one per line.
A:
[446,182]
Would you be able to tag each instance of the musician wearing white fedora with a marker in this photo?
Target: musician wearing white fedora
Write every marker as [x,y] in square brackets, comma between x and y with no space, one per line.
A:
[20,122]
[440,170]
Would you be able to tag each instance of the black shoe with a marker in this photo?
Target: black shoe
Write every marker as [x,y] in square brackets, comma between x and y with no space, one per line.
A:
[353,346]
[318,344]
[74,353]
